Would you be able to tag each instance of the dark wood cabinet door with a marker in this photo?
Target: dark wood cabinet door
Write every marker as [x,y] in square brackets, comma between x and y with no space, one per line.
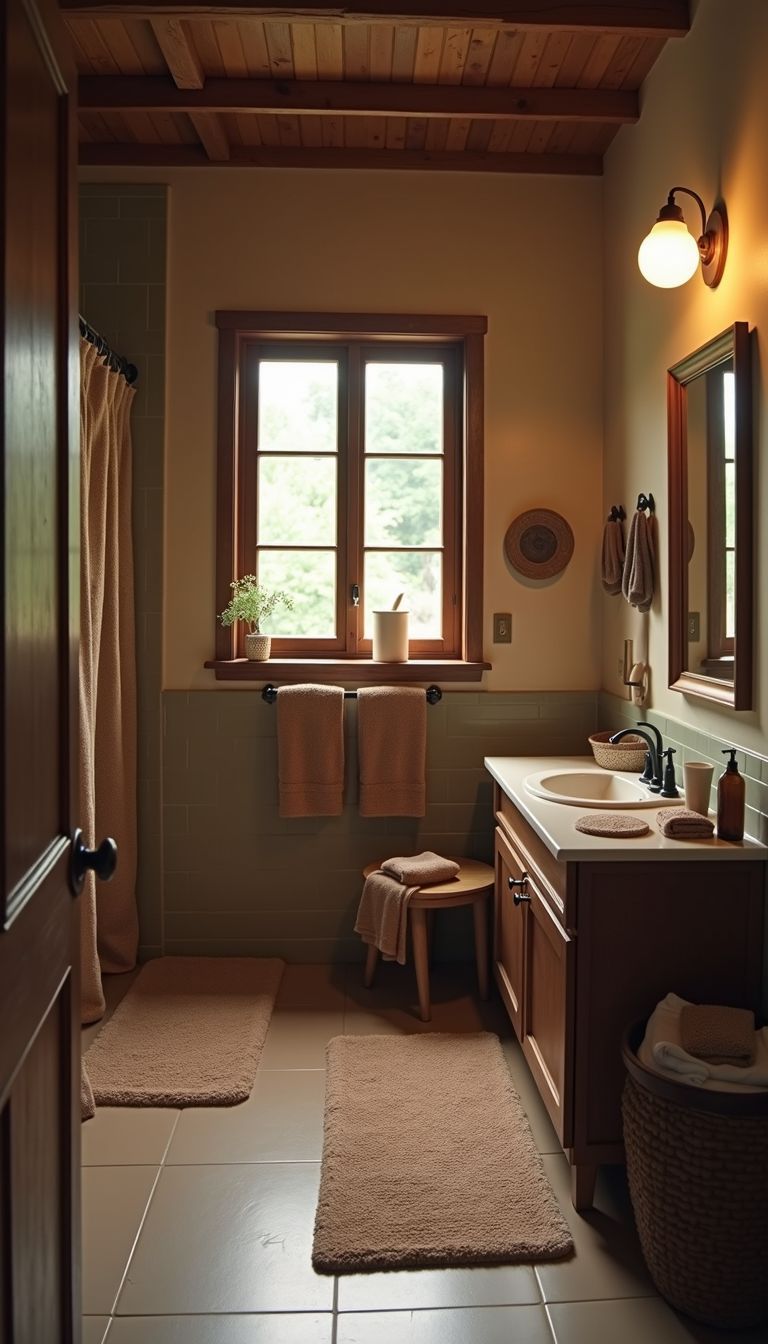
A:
[509,933]
[39,1019]
[548,1012]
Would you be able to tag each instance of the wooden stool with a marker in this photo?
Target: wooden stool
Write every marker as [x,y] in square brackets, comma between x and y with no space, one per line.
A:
[471,887]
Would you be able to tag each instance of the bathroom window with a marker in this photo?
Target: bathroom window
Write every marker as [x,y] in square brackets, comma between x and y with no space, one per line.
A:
[350,471]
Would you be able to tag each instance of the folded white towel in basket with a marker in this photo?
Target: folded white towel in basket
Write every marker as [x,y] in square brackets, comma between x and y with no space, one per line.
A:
[662,1051]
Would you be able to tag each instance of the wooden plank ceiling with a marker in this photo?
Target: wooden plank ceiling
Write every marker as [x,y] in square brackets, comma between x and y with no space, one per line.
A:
[472,86]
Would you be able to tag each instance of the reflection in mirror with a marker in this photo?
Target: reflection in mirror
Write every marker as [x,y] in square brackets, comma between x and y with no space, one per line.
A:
[710,522]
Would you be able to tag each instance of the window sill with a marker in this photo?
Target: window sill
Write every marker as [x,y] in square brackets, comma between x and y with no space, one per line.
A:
[361,670]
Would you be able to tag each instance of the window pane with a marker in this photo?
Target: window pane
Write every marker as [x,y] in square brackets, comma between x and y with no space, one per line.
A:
[309,577]
[730,586]
[730,503]
[729,413]
[297,406]
[297,501]
[404,408]
[403,502]
[419,576]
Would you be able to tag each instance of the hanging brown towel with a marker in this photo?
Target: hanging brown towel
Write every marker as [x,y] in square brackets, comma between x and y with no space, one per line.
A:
[310,750]
[639,563]
[392,749]
[613,556]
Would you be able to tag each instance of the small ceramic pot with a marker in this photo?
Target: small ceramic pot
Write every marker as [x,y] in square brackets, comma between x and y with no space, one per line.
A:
[257,647]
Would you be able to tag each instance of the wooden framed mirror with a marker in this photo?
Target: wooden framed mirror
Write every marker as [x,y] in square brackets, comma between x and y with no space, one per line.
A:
[709,409]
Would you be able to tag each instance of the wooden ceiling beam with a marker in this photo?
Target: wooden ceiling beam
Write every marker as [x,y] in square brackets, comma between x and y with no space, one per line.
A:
[99,93]
[247,156]
[180,55]
[633,18]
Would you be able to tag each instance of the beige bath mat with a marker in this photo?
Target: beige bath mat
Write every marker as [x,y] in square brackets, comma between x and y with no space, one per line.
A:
[189,1032]
[429,1160]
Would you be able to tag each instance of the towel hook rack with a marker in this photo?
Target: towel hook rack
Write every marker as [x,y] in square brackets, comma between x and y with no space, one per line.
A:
[433,694]
[617,514]
[646,502]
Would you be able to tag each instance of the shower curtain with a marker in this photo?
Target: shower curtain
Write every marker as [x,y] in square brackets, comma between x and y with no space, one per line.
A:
[109,920]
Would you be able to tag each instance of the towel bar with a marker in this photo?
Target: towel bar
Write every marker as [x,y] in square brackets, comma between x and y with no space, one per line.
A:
[433,694]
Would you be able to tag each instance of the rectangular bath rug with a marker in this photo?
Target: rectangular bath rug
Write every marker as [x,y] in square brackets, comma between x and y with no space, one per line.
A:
[429,1160]
[189,1032]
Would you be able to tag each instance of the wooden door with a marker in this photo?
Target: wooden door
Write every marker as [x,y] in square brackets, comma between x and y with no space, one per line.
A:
[39,1018]
[548,1011]
[509,931]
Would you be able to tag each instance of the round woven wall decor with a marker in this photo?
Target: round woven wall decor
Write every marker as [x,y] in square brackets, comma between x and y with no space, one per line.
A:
[539,544]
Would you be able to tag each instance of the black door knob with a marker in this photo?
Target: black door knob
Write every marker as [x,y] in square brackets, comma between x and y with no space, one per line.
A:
[103,860]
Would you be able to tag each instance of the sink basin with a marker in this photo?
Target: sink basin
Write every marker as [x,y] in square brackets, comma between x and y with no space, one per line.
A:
[593,788]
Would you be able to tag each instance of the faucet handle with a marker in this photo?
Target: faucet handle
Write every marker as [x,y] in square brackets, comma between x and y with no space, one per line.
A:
[670,789]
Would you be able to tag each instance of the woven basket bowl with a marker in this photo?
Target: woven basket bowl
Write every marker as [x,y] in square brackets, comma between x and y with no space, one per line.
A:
[697,1167]
[628,754]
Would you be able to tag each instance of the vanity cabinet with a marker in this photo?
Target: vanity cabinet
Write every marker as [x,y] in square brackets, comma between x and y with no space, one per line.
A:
[583,948]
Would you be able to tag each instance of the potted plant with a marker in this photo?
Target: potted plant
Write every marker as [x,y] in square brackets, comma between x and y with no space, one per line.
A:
[252,602]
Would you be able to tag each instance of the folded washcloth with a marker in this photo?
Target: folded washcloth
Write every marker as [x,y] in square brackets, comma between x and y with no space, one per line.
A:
[310,750]
[422,870]
[718,1034]
[662,1051]
[613,556]
[392,750]
[639,563]
[382,916]
[680,823]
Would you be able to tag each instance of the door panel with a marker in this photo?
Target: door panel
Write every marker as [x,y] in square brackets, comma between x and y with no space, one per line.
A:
[39,980]
[548,1014]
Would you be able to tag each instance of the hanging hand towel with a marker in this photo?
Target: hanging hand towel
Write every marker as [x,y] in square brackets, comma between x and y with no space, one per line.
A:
[310,750]
[382,916]
[639,563]
[392,747]
[613,556]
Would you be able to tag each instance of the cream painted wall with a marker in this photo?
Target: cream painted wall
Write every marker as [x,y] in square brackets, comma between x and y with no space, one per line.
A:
[703,125]
[524,250]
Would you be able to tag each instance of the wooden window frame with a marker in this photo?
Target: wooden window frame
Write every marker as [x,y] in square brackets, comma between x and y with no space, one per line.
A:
[242,335]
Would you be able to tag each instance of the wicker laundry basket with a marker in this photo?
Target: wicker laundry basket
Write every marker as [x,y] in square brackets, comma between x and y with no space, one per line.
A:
[697,1165]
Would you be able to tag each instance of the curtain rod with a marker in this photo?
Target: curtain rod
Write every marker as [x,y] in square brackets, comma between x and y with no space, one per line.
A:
[117,363]
[433,694]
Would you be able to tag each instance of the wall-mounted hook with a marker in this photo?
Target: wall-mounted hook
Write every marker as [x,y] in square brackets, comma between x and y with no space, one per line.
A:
[646,502]
[617,513]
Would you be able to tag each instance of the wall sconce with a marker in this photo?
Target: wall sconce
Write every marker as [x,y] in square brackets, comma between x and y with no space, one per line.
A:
[669,255]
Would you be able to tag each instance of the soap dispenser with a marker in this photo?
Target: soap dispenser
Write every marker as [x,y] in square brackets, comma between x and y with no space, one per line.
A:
[730,800]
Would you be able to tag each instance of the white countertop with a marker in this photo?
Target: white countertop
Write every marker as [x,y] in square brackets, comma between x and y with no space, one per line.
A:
[554,823]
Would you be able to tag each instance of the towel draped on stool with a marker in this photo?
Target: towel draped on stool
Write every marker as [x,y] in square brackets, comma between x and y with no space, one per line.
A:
[392,748]
[382,916]
[422,870]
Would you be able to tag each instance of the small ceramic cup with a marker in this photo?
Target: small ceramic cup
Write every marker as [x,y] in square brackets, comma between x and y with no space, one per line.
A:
[697,782]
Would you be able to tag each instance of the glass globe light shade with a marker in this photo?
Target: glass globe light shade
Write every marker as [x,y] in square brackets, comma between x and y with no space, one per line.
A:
[669,255]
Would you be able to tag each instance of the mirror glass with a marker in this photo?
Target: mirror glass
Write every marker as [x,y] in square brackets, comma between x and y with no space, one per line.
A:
[710,521]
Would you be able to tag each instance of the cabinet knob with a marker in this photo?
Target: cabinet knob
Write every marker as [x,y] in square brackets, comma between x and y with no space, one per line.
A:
[519,888]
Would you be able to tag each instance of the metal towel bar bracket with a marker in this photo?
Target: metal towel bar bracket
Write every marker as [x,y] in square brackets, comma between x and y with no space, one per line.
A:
[433,694]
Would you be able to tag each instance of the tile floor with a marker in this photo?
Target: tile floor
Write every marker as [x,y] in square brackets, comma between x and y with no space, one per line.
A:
[198,1223]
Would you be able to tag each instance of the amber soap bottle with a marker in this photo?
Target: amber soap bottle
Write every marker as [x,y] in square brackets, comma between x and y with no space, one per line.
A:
[730,800]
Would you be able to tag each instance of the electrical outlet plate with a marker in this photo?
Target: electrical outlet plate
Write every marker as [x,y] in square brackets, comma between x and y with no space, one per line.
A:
[502,627]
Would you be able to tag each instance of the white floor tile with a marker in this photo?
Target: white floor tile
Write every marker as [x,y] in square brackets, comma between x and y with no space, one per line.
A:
[114,1202]
[282,1121]
[228,1239]
[474,1325]
[312,987]
[95,1329]
[504,1285]
[297,1037]
[303,1328]
[126,1136]
[638,1321]
[608,1262]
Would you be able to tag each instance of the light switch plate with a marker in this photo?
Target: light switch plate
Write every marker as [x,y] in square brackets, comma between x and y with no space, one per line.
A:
[502,627]
[693,626]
